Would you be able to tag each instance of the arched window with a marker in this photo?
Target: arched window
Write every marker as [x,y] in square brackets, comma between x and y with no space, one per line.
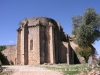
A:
[31,44]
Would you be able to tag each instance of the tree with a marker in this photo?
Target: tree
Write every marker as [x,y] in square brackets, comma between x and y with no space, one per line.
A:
[1,49]
[86,28]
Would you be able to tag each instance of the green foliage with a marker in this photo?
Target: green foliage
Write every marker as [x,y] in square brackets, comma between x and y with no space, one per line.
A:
[86,28]
[99,62]
[22,24]
[41,24]
[2,48]
[84,52]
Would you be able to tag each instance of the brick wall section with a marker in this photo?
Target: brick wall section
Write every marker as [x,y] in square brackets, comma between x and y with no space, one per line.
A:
[10,53]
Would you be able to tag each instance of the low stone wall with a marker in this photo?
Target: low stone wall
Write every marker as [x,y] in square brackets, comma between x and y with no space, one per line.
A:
[10,53]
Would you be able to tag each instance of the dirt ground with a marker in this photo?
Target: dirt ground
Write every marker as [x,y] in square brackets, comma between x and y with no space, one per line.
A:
[30,70]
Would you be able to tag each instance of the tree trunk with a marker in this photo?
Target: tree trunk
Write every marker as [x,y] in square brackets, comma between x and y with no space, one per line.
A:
[92,53]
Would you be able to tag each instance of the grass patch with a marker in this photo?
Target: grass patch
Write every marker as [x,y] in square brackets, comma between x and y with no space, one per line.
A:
[69,69]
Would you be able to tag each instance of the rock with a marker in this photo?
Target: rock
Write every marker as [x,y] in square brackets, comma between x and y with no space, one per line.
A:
[81,59]
[45,63]
[92,62]
[94,72]
[50,63]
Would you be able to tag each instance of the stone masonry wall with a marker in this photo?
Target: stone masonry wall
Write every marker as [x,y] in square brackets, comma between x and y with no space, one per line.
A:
[58,48]
[47,45]
[44,45]
[34,55]
[43,41]
[10,53]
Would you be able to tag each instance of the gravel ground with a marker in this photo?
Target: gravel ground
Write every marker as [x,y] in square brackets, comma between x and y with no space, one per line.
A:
[30,70]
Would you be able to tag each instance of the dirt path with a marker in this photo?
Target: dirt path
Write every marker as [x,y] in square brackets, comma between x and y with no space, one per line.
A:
[31,70]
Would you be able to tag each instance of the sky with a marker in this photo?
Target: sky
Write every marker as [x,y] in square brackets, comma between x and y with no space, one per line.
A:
[14,11]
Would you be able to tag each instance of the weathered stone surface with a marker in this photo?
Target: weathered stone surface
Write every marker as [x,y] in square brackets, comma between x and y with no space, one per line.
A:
[81,59]
[47,37]
[92,62]
[10,54]
[42,40]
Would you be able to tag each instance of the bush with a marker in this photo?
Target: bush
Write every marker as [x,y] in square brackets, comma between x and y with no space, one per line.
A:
[84,52]
[99,62]
[2,48]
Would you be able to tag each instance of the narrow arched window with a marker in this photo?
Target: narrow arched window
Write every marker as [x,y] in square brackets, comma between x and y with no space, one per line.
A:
[31,44]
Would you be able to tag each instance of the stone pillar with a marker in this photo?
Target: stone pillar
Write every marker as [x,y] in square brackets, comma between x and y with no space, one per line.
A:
[52,51]
[38,52]
[18,46]
[72,57]
[68,56]
[22,46]
[56,45]
[25,45]
[42,44]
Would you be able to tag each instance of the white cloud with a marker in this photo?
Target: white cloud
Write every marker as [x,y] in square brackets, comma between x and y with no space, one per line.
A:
[11,41]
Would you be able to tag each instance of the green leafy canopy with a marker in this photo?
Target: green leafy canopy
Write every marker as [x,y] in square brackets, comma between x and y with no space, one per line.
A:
[2,48]
[86,28]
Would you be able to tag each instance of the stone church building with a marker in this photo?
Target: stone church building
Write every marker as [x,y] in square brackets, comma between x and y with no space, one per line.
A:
[41,40]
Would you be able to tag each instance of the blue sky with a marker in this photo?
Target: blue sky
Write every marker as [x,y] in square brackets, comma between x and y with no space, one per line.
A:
[13,11]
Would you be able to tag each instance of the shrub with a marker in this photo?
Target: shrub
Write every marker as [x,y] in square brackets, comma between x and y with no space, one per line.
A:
[99,62]
[2,48]
[84,52]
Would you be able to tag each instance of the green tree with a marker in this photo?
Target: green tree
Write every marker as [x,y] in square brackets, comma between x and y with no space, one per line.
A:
[86,28]
[1,49]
